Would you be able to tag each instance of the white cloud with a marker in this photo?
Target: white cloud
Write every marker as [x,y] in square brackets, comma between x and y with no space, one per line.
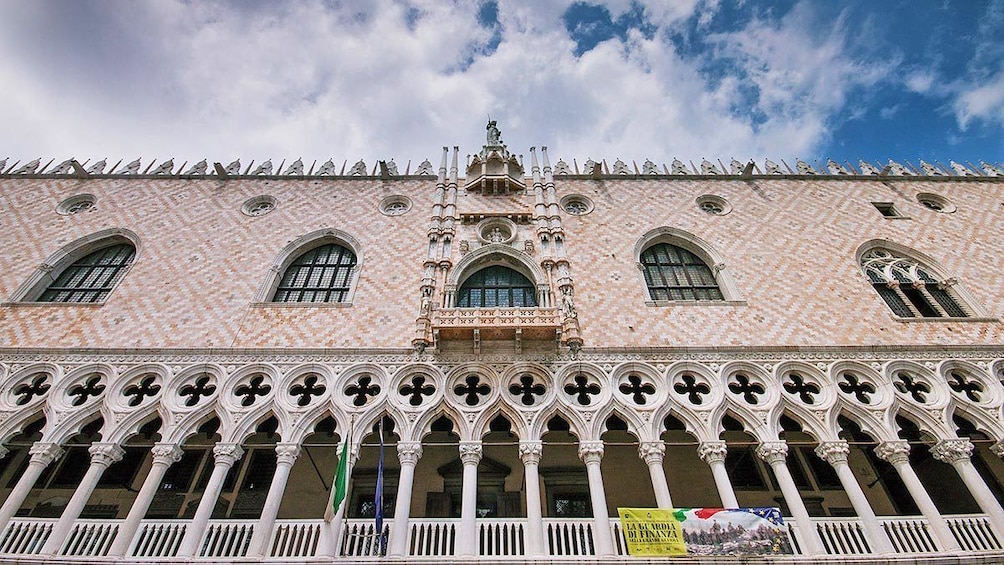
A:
[353,79]
[920,82]
[984,101]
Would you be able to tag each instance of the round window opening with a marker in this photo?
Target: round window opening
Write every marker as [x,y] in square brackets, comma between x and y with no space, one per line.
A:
[395,205]
[76,204]
[577,205]
[713,205]
[936,203]
[497,230]
[259,205]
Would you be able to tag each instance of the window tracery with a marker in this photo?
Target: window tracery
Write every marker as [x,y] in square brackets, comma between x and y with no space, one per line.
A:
[322,274]
[496,287]
[673,273]
[91,278]
[909,288]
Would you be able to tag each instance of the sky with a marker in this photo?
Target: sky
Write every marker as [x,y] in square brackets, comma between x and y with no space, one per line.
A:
[380,79]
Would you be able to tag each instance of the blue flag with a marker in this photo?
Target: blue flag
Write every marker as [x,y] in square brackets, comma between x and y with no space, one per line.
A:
[378,498]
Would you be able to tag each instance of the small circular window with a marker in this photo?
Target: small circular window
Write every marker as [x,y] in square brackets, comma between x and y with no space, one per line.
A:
[395,205]
[496,230]
[76,204]
[936,202]
[259,205]
[577,205]
[714,205]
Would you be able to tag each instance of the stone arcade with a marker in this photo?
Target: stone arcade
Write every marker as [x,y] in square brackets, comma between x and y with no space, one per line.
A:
[185,347]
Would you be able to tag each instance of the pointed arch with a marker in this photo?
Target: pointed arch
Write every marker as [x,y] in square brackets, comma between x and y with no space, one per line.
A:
[343,261]
[106,256]
[665,251]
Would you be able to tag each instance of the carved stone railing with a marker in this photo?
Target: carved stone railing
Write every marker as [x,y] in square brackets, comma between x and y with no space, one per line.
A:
[496,323]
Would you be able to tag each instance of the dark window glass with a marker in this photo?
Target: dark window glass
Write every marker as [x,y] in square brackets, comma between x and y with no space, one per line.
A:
[893,300]
[91,278]
[919,301]
[260,470]
[948,304]
[496,287]
[572,505]
[121,473]
[742,467]
[322,274]
[179,475]
[72,468]
[5,464]
[673,273]
[824,473]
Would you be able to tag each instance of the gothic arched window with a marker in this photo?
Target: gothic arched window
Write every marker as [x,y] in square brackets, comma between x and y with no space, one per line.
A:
[909,288]
[496,287]
[673,273]
[322,274]
[92,277]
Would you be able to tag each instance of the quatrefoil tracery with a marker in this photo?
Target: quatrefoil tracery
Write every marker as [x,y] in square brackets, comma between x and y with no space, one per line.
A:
[907,383]
[743,386]
[960,384]
[203,387]
[92,387]
[306,391]
[416,390]
[362,390]
[252,390]
[472,390]
[636,389]
[797,385]
[527,390]
[693,390]
[146,387]
[26,392]
[582,390]
[858,387]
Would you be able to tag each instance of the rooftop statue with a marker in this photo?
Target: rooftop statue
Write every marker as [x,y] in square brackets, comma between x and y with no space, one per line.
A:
[494,135]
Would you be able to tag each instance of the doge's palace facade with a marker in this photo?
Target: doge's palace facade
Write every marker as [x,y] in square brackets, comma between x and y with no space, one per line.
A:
[535,341]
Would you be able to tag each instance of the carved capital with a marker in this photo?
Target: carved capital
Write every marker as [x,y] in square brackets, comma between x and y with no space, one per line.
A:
[227,453]
[833,452]
[45,453]
[286,453]
[591,451]
[470,452]
[3,452]
[952,450]
[713,451]
[104,454]
[895,452]
[530,452]
[652,452]
[998,448]
[772,451]
[409,452]
[166,453]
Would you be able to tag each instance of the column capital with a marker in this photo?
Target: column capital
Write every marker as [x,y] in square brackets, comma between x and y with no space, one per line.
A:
[952,450]
[894,452]
[530,452]
[833,452]
[713,451]
[3,452]
[104,454]
[998,448]
[287,453]
[45,453]
[228,453]
[772,451]
[167,453]
[652,452]
[590,451]
[470,452]
[409,452]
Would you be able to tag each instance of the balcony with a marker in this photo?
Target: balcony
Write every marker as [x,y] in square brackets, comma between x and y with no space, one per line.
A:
[432,540]
[496,324]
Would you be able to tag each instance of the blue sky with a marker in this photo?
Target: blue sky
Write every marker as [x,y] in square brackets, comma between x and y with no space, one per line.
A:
[375,79]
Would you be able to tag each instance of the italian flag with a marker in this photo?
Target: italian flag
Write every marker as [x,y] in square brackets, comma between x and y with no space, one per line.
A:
[340,484]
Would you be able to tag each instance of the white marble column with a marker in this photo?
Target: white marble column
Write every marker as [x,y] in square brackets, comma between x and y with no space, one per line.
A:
[529,454]
[835,453]
[42,455]
[225,455]
[591,453]
[958,453]
[164,455]
[408,454]
[713,453]
[898,453]
[652,453]
[285,457]
[467,543]
[775,453]
[102,456]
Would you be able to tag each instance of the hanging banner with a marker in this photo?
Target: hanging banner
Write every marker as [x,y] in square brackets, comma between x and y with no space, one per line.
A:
[652,531]
[704,531]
